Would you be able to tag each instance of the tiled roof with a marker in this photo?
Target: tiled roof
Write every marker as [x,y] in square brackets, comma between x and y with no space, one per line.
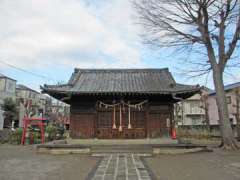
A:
[232,86]
[227,87]
[101,81]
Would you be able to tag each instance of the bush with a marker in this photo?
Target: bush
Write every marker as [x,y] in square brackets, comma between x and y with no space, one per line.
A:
[60,132]
[51,132]
[194,132]
[10,112]
[16,136]
[5,135]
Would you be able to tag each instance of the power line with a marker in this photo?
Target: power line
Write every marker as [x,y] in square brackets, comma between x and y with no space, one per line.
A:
[27,71]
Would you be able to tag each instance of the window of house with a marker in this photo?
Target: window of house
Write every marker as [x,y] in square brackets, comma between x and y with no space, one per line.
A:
[229,100]
[2,84]
[10,86]
[194,107]
[195,120]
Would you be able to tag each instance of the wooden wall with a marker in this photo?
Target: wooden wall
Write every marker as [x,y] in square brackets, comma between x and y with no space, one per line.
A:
[85,117]
[82,119]
[159,120]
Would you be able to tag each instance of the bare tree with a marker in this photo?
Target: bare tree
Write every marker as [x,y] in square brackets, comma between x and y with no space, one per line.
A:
[210,27]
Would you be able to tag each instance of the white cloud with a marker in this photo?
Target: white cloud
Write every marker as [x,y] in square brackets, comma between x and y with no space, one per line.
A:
[42,32]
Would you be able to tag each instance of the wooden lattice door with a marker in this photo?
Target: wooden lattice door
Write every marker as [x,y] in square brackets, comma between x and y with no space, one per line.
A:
[159,124]
[105,125]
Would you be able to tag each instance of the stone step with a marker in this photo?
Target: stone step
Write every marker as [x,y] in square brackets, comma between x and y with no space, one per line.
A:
[121,149]
[134,149]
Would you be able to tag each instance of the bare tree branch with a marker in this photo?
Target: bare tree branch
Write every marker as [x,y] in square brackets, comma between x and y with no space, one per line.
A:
[206,26]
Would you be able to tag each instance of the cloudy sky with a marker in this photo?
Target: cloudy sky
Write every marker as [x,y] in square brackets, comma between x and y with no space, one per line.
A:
[49,38]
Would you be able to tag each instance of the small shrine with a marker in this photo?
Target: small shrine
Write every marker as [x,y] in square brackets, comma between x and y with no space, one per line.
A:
[121,103]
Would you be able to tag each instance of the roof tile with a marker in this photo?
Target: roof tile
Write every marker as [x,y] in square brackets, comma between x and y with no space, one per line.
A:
[120,81]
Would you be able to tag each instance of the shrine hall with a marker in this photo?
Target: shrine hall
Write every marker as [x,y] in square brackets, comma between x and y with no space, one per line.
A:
[121,103]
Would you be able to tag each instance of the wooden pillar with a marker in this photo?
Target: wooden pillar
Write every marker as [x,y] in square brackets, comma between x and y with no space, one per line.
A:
[95,124]
[171,118]
[120,119]
[147,121]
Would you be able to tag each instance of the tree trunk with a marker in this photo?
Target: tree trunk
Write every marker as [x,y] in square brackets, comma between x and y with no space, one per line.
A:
[207,116]
[206,108]
[238,113]
[228,140]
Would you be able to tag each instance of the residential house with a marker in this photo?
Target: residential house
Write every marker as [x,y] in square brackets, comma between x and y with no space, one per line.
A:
[60,113]
[29,101]
[192,111]
[201,110]
[232,94]
[7,90]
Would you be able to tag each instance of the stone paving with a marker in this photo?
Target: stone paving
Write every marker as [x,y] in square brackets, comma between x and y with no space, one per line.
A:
[121,167]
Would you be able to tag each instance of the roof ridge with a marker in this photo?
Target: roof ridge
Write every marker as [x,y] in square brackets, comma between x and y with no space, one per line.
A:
[112,70]
[24,87]
[7,77]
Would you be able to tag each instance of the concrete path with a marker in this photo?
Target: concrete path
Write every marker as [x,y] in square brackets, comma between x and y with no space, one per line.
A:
[121,167]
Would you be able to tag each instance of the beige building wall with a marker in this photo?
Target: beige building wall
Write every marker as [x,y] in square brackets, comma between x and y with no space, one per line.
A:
[232,109]
[7,90]
[1,119]
[191,111]
[38,101]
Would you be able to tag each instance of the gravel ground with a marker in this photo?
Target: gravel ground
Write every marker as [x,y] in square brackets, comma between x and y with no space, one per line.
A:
[22,163]
[217,165]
